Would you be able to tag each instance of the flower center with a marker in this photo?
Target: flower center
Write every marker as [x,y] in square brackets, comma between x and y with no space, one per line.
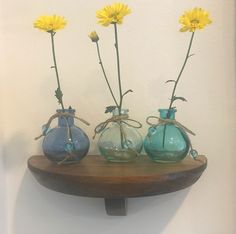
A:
[194,22]
[113,16]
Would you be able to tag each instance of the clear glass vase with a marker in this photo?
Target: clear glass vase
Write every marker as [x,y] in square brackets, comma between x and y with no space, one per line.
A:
[65,143]
[120,142]
[166,142]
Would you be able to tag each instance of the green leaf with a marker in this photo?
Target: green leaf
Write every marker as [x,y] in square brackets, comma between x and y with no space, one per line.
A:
[170,81]
[191,55]
[179,98]
[109,109]
[128,91]
[59,95]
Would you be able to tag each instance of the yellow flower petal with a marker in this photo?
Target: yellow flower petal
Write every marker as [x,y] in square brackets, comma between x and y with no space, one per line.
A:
[184,29]
[112,14]
[50,23]
[194,19]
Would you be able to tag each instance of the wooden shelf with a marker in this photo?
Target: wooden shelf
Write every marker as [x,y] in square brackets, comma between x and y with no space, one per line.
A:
[95,177]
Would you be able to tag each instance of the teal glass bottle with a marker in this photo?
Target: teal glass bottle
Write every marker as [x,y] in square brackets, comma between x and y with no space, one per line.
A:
[166,142]
[66,142]
[120,142]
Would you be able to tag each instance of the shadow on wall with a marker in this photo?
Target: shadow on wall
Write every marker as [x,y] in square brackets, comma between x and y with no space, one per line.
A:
[13,151]
[39,210]
[3,195]
[16,150]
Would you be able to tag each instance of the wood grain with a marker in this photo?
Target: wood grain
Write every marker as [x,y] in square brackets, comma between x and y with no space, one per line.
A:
[95,177]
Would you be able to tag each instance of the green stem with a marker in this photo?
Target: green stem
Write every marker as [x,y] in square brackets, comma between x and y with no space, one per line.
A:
[181,71]
[119,81]
[104,73]
[164,136]
[176,83]
[118,67]
[58,82]
[56,69]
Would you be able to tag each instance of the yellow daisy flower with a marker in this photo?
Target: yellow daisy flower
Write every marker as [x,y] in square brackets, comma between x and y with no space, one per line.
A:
[50,23]
[112,14]
[196,18]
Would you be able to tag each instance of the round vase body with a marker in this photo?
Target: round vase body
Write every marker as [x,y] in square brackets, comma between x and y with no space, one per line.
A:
[66,142]
[166,142]
[120,142]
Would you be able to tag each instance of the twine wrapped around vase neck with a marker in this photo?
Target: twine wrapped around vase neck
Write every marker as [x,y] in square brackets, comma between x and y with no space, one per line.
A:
[168,121]
[123,118]
[61,114]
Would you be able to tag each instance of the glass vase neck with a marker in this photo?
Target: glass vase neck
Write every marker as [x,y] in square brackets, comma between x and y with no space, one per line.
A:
[167,113]
[66,121]
[115,112]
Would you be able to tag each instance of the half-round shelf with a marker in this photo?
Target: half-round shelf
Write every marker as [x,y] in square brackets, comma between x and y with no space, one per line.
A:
[95,177]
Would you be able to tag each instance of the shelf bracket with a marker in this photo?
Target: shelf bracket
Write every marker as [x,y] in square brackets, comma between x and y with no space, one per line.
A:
[116,206]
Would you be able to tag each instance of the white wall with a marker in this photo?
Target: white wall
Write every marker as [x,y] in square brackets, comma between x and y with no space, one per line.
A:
[152,51]
[3,198]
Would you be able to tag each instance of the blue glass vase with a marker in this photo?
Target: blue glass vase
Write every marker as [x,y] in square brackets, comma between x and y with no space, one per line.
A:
[65,143]
[120,142]
[166,142]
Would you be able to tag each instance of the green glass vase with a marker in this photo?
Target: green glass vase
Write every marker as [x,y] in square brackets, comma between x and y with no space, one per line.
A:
[166,142]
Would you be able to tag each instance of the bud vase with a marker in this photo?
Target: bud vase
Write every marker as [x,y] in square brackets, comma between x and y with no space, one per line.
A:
[65,143]
[166,142]
[120,142]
